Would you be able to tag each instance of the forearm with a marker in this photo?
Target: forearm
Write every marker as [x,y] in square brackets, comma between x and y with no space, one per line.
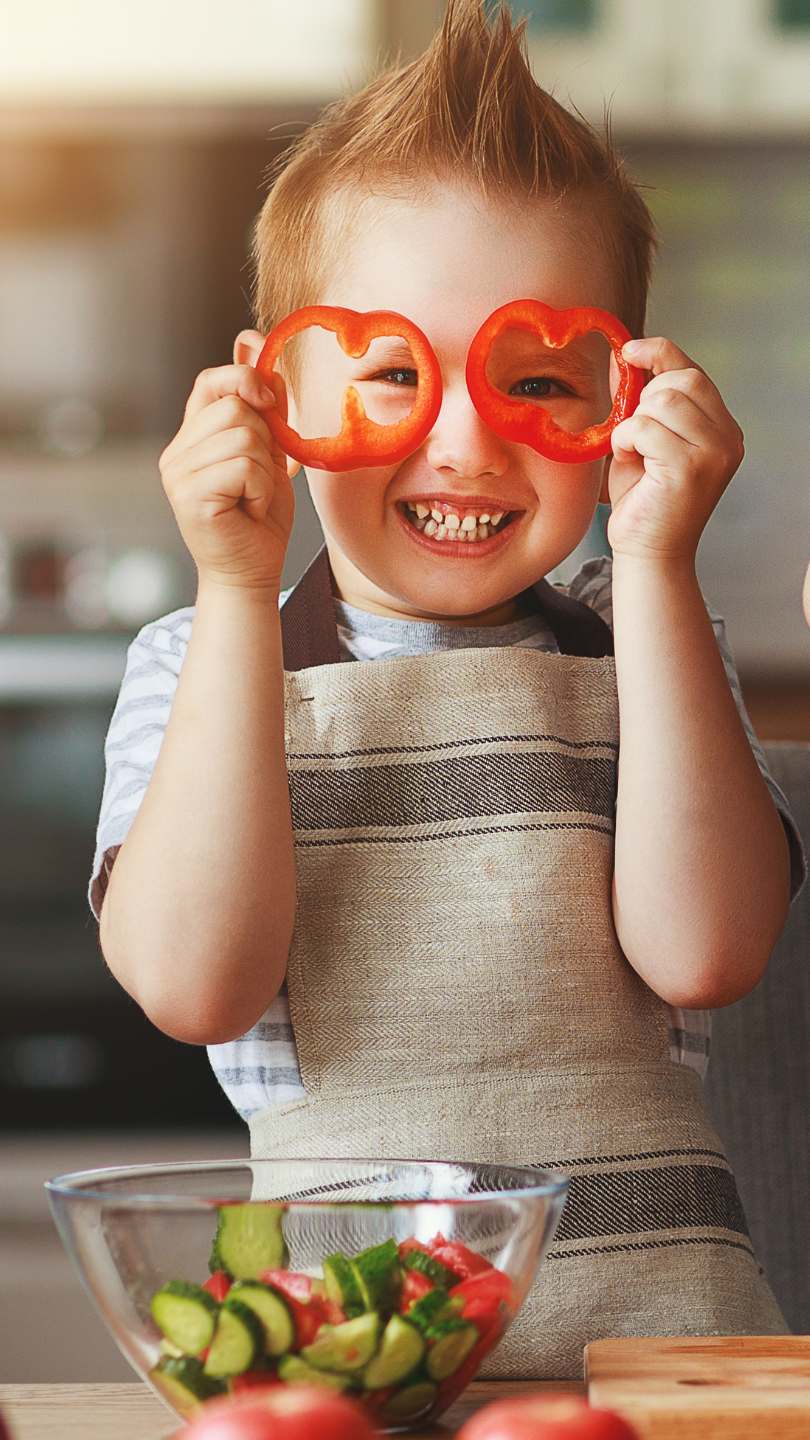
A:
[199,913]
[701,878]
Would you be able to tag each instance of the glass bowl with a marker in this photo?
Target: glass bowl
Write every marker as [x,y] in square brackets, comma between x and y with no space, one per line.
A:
[211,1276]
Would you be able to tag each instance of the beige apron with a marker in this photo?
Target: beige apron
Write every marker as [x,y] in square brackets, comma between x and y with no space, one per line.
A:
[456,986]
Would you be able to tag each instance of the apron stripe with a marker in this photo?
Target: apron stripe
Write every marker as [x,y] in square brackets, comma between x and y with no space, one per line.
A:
[456,788]
[403,839]
[674,1197]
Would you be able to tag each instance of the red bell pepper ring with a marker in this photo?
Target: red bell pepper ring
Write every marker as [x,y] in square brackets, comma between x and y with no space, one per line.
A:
[361,441]
[527,422]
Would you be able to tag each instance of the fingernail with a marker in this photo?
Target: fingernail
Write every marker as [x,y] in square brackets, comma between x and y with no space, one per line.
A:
[631,347]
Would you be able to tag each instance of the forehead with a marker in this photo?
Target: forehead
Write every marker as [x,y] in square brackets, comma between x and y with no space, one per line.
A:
[451,255]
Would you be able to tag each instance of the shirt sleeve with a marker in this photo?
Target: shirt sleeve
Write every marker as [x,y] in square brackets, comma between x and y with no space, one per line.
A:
[154,661]
[592,584]
[135,735]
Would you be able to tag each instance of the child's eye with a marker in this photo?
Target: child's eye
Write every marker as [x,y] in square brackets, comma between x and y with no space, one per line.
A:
[534,390]
[400,376]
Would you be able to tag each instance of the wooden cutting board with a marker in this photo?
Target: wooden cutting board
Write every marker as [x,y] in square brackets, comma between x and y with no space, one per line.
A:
[715,1387]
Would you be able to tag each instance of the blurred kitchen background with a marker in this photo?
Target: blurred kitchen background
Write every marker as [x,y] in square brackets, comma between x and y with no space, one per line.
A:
[132,151]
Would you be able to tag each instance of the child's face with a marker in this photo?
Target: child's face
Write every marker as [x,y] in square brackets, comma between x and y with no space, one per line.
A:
[446,261]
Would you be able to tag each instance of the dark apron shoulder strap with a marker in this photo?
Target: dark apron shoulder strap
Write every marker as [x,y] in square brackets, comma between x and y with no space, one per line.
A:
[309,632]
[577,628]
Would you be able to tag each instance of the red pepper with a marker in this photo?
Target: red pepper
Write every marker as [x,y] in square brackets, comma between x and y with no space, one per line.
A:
[528,422]
[361,441]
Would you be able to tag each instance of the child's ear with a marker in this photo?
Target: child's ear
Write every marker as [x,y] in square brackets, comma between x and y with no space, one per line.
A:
[247,347]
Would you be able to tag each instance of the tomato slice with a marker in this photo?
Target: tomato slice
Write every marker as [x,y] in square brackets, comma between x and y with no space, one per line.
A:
[253,1380]
[218,1284]
[289,1282]
[309,1310]
[457,1257]
[411,1244]
[414,1286]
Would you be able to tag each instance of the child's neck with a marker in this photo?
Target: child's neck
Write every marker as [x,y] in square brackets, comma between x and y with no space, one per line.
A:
[503,614]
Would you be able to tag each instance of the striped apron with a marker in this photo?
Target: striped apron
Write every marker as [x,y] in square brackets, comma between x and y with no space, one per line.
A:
[456,987]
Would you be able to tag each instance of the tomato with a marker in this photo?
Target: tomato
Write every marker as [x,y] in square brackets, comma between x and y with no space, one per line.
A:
[457,1257]
[309,1309]
[253,1380]
[414,1286]
[5,1432]
[483,1295]
[218,1284]
[288,1412]
[411,1244]
[545,1417]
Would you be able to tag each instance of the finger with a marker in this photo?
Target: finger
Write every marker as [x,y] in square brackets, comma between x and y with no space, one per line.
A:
[228,413]
[700,389]
[678,412]
[657,353]
[641,435]
[236,380]
[242,482]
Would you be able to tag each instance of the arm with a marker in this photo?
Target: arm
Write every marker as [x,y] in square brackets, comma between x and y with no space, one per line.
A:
[199,912]
[701,878]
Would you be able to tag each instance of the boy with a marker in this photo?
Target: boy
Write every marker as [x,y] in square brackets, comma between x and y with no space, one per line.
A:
[489,943]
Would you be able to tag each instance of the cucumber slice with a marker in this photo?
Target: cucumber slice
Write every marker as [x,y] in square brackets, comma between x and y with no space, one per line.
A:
[401,1350]
[379,1275]
[295,1371]
[186,1314]
[435,1271]
[238,1339]
[342,1285]
[344,1347]
[429,1309]
[249,1239]
[272,1311]
[411,1401]
[182,1383]
[450,1344]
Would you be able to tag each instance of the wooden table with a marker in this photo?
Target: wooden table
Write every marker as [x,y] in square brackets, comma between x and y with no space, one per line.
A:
[131,1412]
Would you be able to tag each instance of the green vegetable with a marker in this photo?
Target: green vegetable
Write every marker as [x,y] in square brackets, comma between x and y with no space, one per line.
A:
[272,1311]
[344,1347]
[296,1371]
[401,1350]
[449,1345]
[411,1400]
[238,1339]
[429,1309]
[378,1275]
[435,1271]
[249,1239]
[186,1314]
[342,1285]
[183,1384]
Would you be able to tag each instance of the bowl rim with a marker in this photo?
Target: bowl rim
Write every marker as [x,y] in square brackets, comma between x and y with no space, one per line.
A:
[78,1184]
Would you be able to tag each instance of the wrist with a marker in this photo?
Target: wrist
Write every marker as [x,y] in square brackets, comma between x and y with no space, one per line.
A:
[654,569]
[226,593]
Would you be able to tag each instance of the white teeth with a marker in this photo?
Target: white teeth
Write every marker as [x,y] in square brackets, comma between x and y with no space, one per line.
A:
[439,526]
[441,532]
[431,527]
[483,519]
[483,531]
[469,522]
[496,519]
[437,516]
[452,521]
[420,524]
[422,510]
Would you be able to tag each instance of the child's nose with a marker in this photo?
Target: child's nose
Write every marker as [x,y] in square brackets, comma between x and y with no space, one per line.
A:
[460,441]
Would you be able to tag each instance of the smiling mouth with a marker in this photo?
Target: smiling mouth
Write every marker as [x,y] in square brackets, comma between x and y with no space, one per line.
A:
[441,523]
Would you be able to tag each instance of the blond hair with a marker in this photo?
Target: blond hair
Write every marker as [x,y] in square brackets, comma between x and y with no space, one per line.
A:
[469,109]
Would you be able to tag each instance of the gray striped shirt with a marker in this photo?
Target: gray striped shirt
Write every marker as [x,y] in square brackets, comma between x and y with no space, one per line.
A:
[260,1069]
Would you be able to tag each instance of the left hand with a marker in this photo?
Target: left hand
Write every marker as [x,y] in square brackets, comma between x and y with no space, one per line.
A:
[672,458]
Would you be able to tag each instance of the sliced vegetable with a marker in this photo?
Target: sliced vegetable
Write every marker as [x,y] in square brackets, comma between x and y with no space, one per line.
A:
[378,1275]
[414,1286]
[450,1342]
[458,1257]
[411,1401]
[218,1284]
[401,1350]
[183,1383]
[432,1267]
[435,1306]
[345,1347]
[342,1285]
[295,1371]
[272,1311]
[249,1239]
[186,1314]
[238,1339]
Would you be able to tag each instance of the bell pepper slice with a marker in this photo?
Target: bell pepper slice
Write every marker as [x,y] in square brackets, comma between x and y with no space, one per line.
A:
[361,441]
[529,423]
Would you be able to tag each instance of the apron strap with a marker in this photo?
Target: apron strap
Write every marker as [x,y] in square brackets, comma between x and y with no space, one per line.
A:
[309,632]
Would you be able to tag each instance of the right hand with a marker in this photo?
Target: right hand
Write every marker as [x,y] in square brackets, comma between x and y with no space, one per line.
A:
[226,480]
